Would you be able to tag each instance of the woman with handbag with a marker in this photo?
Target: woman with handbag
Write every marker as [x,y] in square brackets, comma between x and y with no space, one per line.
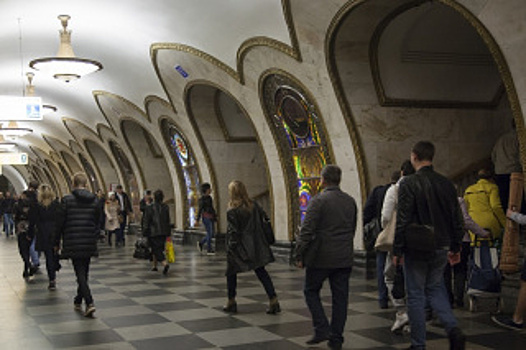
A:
[393,275]
[111,211]
[247,246]
[157,228]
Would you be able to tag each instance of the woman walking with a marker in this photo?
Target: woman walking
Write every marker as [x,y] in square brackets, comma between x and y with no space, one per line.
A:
[247,248]
[43,220]
[22,214]
[157,228]
[111,211]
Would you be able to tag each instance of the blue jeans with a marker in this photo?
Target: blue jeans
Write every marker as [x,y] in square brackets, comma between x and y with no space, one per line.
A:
[209,226]
[383,296]
[425,281]
[339,283]
[9,224]
[119,233]
[35,256]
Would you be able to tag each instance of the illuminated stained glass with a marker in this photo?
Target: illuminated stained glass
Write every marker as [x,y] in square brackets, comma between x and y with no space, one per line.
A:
[300,136]
[189,171]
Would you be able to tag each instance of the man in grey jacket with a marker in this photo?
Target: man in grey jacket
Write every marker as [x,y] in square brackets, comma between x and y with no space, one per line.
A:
[325,248]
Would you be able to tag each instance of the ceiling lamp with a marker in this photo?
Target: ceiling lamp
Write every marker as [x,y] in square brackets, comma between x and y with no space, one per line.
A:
[66,66]
[6,146]
[30,91]
[13,132]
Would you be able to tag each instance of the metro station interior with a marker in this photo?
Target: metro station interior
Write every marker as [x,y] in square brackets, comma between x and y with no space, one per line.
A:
[268,92]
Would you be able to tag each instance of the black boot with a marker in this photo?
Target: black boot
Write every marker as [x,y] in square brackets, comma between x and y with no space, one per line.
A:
[273,307]
[457,339]
[231,306]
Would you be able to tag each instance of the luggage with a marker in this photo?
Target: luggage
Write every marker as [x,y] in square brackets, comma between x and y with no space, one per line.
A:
[142,249]
[484,279]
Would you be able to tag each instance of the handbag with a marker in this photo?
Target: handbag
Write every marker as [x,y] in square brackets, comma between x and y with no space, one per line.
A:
[169,251]
[371,230]
[385,240]
[267,227]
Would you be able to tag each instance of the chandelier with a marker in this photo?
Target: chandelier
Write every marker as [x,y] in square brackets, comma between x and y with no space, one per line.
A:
[6,146]
[13,131]
[65,66]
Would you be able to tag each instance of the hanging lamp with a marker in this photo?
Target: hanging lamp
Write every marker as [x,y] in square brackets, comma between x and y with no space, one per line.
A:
[65,66]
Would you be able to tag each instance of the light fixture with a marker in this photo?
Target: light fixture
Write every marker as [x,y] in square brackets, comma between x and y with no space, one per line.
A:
[66,66]
[30,91]
[12,132]
[6,146]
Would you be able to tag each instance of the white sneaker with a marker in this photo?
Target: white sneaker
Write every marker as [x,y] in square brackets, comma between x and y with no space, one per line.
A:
[401,320]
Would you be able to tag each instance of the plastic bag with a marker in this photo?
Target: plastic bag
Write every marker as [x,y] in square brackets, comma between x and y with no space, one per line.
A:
[169,251]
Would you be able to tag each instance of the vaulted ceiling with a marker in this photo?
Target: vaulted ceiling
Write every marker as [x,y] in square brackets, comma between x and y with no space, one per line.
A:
[119,34]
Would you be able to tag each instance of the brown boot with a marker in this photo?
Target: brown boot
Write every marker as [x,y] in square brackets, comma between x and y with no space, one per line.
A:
[273,306]
[231,306]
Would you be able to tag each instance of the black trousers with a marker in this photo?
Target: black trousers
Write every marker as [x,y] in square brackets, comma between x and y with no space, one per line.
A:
[339,283]
[81,267]
[23,248]
[263,276]
[455,276]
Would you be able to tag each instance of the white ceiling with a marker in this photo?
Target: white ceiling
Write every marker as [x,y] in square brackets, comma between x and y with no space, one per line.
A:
[119,34]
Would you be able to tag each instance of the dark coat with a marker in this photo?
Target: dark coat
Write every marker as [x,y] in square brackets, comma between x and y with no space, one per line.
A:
[331,221]
[247,247]
[7,205]
[22,216]
[43,221]
[127,202]
[206,208]
[373,205]
[428,198]
[78,224]
[156,221]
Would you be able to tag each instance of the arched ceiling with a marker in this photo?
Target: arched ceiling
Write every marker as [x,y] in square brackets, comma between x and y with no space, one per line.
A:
[119,35]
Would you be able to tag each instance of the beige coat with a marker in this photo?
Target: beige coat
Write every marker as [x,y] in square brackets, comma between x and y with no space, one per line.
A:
[112,215]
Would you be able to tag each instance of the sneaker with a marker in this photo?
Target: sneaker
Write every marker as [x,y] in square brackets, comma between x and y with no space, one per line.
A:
[52,285]
[200,247]
[165,270]
[401,320]
[210,252]
[77,307]
[507,322]
[90,310]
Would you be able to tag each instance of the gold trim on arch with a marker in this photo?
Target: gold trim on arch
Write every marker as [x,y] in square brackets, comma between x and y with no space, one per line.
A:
[490,42]
[222,124]
[386,101]
[98,93]
[286,161]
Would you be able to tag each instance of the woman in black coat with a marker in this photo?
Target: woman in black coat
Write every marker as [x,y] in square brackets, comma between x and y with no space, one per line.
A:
[156,226]
[42,224]
[247,247]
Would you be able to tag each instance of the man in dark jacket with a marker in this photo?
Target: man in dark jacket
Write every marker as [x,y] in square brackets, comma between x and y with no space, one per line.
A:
[77,227]
[7,209]
[125,210]
[325,247]
[428,198]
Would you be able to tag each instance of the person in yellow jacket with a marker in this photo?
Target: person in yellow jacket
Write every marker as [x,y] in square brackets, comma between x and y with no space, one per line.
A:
[484,205]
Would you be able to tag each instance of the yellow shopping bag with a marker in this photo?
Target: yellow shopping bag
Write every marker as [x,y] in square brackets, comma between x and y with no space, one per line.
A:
[169,251]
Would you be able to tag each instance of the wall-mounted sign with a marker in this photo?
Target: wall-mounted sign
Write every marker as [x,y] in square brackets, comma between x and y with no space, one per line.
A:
[13,159]
[20,108]
[181,71]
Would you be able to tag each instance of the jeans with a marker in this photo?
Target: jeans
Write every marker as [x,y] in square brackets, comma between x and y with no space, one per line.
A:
[51,263]
[81,267]
[382,288]
[339,283]
[264,278]
[35,256]
[209,226]
[455,276]
[9,224]
[425,281]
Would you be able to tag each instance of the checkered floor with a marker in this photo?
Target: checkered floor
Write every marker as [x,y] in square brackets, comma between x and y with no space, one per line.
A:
[141,309]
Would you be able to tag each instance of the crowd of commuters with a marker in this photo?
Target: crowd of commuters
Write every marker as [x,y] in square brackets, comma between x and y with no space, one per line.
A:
[422,270]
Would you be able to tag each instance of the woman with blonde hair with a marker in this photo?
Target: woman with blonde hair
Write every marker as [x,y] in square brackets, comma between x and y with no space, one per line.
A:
[247,247]
[43,217]
[111,210]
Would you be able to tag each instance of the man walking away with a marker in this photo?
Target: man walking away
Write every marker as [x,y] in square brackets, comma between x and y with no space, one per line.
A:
[77,227]
[325,247]
[429,224]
